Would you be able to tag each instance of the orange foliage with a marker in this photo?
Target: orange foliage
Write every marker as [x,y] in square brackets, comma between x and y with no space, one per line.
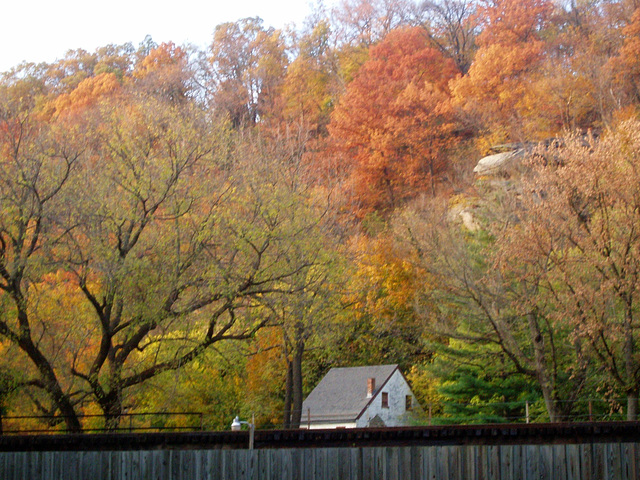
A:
[512,21]
[501,90]
[626,66]
[394,121]
[164,71]
[70,332]
[87,94]
[165,56]
[265,374]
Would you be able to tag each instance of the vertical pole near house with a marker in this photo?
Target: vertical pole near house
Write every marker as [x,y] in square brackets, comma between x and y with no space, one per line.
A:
[252,429]
[526,411]
[252,461]
[590,411]
[308,419]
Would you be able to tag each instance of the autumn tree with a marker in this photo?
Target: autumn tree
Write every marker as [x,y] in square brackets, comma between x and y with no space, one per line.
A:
[167,244]
[381,324]
[170,266]
[86,95]
[66,74]
[366,22]
[394,123]
[216,385]
[479,309]
[360,24]
[579,71]
[36,166]
[499,92]
[137,165]
[304,320]
[8,384]
[248,63]
[452,27]
[625,66]
[165,71]
[311,85]
[580,237]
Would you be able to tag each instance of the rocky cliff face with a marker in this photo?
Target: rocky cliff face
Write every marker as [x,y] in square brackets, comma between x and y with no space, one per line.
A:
[498,162]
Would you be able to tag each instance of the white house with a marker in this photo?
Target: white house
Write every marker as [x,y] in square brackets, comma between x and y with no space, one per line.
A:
[357,397]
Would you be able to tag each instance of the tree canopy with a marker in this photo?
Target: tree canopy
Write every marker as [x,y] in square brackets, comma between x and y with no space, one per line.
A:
[217,227]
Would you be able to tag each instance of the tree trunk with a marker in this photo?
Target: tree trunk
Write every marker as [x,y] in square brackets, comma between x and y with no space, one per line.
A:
[432,179]
[52,386]
[632,406]
[288,395]
[629,360]
[66,409]
[46,371]
[296,409]
[111,406]
[549,402]
[546,386]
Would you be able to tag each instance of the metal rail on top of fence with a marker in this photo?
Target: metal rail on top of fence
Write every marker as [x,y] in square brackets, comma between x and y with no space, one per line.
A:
[523,411]
[441,413]
[129,422]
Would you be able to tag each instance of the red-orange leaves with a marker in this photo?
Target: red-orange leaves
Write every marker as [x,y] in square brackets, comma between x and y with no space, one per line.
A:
[626,66]
[394,121]
[512,21]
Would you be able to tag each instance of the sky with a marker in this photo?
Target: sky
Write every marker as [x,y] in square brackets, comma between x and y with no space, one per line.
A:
[44,30]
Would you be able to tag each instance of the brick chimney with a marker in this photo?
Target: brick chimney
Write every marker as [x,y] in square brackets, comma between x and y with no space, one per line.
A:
[371,387]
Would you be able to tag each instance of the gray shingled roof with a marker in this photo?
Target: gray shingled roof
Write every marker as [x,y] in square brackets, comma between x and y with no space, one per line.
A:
[342,394]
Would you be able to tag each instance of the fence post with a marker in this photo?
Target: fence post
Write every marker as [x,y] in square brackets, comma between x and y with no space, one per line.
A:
[526,410]
[252,430]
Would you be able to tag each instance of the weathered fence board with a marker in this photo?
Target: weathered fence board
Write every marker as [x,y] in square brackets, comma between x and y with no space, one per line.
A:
[616,461]
[629,452]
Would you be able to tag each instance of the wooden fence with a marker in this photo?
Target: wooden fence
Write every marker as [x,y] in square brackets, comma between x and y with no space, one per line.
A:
[587,461]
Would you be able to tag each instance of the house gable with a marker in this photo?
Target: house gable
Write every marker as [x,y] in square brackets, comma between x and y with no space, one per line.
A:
[389,405]
[341,400]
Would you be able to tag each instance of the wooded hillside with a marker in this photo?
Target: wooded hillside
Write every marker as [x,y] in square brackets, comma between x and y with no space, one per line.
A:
[211,231]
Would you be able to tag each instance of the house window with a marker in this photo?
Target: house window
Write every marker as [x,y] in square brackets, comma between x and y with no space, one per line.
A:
[407,402]
[385,400]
